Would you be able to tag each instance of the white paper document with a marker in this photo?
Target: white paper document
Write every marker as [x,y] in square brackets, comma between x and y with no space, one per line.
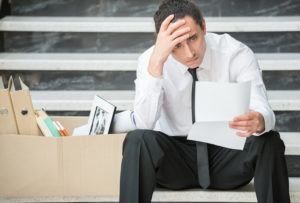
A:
[215,105]
[82,130]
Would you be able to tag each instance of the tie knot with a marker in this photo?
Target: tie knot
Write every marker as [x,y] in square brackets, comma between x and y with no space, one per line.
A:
[193,72]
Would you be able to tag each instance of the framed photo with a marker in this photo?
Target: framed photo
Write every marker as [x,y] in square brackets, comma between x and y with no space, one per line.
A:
[101,116]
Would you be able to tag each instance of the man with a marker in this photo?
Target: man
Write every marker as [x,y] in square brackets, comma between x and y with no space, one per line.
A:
[158,153]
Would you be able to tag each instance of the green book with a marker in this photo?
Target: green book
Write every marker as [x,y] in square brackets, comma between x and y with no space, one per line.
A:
[51,127]
[49,123]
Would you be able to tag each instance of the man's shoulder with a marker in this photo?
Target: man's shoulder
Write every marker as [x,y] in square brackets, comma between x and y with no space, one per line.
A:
[224,42]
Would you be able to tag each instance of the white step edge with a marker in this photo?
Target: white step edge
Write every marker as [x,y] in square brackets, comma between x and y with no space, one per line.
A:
[285,100]
[244,194]
[292,142]
[117,61]
[144,24]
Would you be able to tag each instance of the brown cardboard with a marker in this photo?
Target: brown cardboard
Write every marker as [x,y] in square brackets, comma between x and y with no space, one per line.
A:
[21,100]
[8,123]
[60,166]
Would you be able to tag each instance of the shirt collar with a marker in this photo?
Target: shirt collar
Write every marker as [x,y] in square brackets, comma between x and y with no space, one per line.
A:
[205,62]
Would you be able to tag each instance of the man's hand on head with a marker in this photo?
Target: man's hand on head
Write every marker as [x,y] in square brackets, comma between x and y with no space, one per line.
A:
[168,37]
[251,122]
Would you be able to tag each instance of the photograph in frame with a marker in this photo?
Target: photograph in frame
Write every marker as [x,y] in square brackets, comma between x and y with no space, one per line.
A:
[101,116]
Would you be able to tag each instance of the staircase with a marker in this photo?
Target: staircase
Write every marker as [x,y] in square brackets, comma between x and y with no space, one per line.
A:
[68,51]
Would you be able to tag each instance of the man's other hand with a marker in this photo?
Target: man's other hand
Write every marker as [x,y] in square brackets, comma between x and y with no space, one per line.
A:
[251,122]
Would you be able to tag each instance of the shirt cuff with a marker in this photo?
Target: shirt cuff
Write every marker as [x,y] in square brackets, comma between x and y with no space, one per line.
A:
[268,122]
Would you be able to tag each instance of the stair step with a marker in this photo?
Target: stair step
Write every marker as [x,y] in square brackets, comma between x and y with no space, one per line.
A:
[280,100]
[118,62]
[244,194]
[144,24]
[292,142]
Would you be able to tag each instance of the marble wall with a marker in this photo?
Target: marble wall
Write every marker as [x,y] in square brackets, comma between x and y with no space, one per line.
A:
[147,8]
[259,42]
[123,80]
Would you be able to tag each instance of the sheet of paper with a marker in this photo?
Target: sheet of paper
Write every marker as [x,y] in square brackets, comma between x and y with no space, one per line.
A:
[215,105]
[82,130]
[217,133]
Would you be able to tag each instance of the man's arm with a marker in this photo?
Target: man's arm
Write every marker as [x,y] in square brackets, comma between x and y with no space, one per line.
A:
[260,117]
[149,92]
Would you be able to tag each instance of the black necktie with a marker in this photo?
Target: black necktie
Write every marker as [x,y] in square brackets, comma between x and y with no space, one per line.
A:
[202,154]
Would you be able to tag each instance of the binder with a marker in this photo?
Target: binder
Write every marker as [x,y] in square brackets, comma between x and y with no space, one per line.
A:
[24,111]
[8,122]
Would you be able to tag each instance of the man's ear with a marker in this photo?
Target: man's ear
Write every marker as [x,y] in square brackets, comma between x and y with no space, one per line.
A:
[204,25]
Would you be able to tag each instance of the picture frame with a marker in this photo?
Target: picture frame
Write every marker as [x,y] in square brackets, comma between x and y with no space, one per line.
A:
[101,116]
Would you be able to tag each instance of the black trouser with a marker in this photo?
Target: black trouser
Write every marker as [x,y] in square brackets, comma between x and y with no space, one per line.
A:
[151,159]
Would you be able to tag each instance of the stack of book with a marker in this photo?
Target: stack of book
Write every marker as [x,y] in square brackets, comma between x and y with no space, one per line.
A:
[48,127]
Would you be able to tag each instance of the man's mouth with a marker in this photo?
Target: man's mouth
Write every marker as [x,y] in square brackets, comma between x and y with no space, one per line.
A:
[193,60]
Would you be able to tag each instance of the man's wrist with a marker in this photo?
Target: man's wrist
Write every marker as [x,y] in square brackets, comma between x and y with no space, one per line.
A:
[155,67]
[261,123]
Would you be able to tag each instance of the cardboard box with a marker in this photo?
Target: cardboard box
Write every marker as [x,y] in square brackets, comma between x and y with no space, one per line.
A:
[35,166]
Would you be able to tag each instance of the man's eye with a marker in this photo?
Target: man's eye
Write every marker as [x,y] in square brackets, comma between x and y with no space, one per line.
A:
[177,46]
[193,37]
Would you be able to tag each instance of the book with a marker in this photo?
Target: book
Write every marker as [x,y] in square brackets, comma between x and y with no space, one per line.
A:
[42,125]
[101,116]
[48,123]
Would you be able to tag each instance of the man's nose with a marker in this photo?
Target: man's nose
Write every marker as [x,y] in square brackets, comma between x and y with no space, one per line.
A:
[188,51]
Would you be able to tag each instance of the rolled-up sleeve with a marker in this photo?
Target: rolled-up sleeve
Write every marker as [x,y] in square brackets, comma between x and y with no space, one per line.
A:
[247,69]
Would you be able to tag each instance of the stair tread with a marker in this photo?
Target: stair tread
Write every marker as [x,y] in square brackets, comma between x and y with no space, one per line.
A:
[118,61]
[280,100]
[244,194]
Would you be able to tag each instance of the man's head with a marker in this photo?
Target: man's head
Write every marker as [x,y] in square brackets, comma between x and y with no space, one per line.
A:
[191,51]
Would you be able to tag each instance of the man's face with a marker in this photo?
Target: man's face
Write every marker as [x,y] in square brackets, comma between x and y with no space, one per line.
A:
[191,51]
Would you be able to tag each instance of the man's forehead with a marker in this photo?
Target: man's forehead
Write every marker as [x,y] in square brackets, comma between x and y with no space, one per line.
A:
[189,22]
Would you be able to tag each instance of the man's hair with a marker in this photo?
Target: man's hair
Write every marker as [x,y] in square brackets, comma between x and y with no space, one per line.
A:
[180,9]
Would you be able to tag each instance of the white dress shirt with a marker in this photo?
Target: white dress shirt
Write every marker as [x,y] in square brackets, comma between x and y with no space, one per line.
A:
[164,103]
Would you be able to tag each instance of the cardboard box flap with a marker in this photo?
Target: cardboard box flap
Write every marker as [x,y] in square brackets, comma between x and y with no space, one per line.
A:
[8,123]
[24,111]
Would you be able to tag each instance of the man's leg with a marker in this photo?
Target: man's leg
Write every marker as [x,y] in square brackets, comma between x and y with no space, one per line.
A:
[271,176]
[151,158]
[263,158]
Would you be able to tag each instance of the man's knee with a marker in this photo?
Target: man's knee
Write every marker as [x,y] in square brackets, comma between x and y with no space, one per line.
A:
[137,137]
[269,140]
